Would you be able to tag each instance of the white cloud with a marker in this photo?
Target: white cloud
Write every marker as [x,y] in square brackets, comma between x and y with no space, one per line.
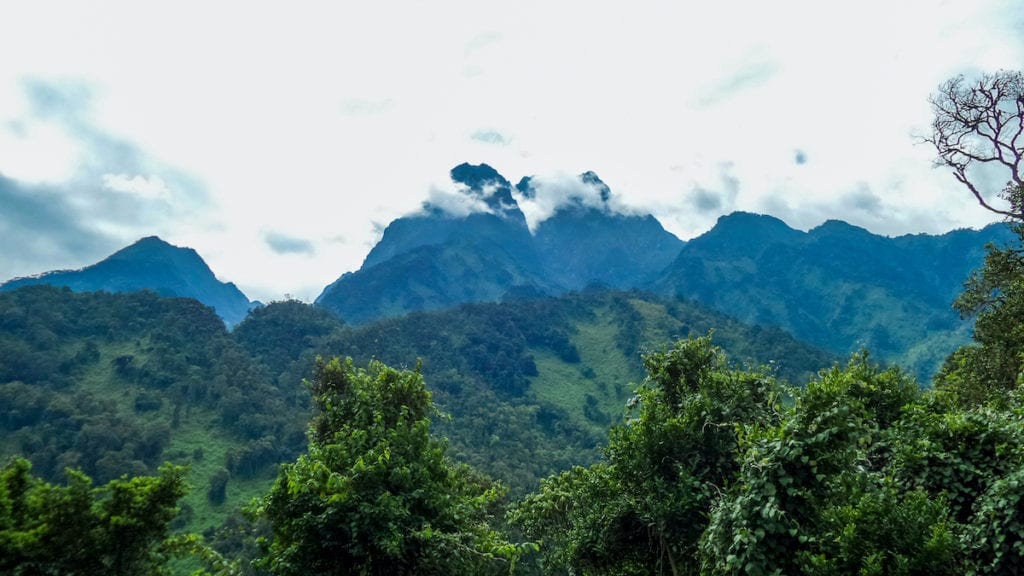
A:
[550,192]
[149,187]
[456,201]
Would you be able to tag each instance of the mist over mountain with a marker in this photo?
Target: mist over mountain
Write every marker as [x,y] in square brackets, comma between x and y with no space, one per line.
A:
[582,243]
[475,245]
[837,286]
[150,264]
[472,246]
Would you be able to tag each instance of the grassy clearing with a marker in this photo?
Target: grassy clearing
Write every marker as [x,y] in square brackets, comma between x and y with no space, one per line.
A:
[594,391]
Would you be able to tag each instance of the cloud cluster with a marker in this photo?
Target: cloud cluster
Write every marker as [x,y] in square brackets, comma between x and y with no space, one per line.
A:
[490,137]
[342,122]
[285,244]
[544,195]
[455,200]
[110,192]
[719,198]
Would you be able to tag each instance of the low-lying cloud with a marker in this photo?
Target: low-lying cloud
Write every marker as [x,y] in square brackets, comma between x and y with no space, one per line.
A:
[285,244]
[455,201]
[490,137]
[546,195]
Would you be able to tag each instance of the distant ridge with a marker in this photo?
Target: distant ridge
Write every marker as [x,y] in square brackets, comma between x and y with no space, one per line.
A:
[150,264]
[837,285]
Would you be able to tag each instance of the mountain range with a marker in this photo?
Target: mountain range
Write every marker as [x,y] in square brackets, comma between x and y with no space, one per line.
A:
[434,259]
[836,286]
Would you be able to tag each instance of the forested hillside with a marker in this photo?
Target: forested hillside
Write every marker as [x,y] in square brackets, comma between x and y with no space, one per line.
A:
[117,384]
[531,385]
[837,286]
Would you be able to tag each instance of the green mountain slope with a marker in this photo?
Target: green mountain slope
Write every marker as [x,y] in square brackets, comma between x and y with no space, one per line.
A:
[533,385]
[837,286]
[150,264]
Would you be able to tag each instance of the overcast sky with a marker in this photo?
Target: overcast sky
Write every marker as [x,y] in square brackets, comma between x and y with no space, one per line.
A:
[278,139]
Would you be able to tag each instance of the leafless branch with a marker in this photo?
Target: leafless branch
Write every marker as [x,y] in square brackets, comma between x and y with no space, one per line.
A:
[981,123]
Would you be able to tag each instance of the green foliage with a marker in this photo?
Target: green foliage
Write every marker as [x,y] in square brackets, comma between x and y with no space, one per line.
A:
[718,473]
[131,380]
[996,533]
[118,528]
[994,294]
[104,380]
[956,453]
[643,509]
[217,492]
[376,494]
[805,480]
[283,333]
[886,532]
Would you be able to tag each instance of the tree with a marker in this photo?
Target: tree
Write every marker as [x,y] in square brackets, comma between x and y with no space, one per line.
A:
[643,509]
[120,528]
[815,494]
[994,296]
[979,124]
[982,123]
[376,494]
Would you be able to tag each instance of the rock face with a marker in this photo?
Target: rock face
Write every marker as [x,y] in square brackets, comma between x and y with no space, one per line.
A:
[151,264]
[434,259]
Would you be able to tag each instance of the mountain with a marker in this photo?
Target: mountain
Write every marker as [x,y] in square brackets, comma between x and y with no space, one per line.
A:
[581,244]
[151,264]
[837,285]
[436,259]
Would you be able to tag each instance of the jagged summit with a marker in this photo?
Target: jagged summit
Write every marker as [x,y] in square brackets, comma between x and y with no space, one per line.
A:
[526,187]
[592,179]
[434,258]
[477,176]
[485,183]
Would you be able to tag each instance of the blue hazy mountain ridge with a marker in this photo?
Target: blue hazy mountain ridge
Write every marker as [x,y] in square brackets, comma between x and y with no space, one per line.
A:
[433,259]
[151,264]
[837,285]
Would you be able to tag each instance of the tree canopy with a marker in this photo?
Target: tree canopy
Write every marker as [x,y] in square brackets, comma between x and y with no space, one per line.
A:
[980,123]
[119,528]
[376,494]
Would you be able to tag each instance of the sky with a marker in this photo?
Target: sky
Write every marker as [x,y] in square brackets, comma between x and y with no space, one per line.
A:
[279,139]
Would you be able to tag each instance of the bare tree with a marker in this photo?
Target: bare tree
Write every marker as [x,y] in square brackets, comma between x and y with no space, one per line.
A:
[981,122]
